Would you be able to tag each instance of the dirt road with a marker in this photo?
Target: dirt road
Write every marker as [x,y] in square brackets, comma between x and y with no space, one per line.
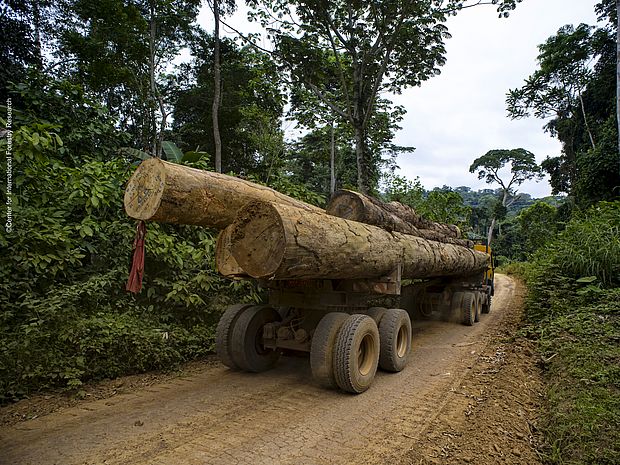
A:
[217,416]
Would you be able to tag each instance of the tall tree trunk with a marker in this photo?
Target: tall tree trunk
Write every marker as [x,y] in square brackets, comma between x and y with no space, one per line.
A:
[585,121]
[490,233]
[36,20]
[216,87]
[494,220]
[360,155]
[332,161]
[153,31]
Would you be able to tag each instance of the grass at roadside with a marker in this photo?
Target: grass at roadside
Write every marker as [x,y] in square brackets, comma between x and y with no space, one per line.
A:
[577,327]
[573,311]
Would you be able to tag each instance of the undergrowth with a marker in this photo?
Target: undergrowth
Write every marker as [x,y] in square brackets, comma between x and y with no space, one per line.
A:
[573,311]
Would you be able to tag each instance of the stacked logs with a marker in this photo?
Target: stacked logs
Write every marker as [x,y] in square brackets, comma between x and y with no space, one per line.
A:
[268,235]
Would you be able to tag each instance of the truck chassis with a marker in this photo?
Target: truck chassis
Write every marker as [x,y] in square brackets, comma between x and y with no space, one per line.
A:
[347,334]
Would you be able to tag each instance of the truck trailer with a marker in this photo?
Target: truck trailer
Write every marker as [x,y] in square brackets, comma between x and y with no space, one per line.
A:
[343,283]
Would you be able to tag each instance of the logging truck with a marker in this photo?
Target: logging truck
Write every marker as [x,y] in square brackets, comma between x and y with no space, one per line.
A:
[343,283]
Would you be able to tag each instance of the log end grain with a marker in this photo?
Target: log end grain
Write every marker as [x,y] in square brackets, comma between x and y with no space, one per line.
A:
[258,239]
[346,204]
[224,261]
[144,190]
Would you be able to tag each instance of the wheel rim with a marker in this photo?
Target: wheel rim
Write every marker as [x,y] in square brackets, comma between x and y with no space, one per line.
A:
[367,353]
[401,342]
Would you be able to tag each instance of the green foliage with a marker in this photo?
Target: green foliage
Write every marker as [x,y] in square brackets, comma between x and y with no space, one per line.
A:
[346,64]
[589,246]
[575,86]
[442,205]
[538,224]
[106,47]
[66,317]
[573,310]
[400,189]
[249,119]
[522,165]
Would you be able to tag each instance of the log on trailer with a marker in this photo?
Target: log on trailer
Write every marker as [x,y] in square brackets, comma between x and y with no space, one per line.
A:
[393,216]
[172,193]
[274,241]
[224,261]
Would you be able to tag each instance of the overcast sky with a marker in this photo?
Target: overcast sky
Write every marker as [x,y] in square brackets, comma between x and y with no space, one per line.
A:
[461,114]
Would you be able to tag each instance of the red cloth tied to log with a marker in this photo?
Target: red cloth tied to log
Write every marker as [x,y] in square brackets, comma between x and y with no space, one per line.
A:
[134,283]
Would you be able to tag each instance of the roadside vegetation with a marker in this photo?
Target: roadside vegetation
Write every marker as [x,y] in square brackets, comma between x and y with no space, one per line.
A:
[573,311]
[91,94]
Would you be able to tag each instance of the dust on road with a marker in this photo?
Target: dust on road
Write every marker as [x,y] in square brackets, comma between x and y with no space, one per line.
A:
[218,416]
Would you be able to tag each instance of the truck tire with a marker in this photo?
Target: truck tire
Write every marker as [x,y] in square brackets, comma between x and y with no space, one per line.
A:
[356,355]
[322,348]
[376,313]
[456,307]
[223,334]
[395,340]
[468,308]
[486,307]
[478,299]
[248,352]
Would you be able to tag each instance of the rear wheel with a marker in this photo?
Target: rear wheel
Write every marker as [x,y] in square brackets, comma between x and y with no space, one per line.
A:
[486,307]
[356,354]
[478,299]
[395,338]
[322,348]
[468,308]
[376,313]
[248,351]
[223,334]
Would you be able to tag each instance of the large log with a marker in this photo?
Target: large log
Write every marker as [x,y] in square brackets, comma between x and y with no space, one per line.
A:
[172,193]
[224,261]
[393,216]
[274,241]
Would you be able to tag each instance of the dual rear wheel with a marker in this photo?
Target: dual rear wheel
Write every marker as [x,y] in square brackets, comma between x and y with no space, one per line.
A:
[239,334]
[347,349]
[468,306]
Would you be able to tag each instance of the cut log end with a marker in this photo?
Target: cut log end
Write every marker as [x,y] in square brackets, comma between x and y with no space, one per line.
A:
[224,261]
[144,190]
[259,239]
[347,205]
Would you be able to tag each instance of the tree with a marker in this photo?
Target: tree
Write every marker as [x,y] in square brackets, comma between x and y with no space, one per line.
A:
[219,8]
[538,223]
[522,165]
[251,119]
[378,47]
[26,28]
[120,51]
[575,86]
[312,113]
[557,87]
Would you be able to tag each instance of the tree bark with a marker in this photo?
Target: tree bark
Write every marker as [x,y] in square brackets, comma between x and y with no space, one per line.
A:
[216,88]
[275,241]
[585,121]
[494,220]
[156,147]
[360,156]
[391,217]
[172,193]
